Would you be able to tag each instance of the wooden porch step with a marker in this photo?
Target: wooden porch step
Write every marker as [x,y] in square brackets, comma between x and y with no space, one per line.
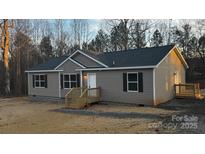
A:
[79,97]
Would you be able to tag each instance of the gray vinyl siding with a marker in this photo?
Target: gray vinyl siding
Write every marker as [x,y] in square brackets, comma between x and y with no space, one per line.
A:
[52,81]
[86,61]
[68,67]
[164,77]
[111,84]
[52,89]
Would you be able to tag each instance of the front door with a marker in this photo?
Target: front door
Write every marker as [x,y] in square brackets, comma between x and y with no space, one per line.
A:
[91,84]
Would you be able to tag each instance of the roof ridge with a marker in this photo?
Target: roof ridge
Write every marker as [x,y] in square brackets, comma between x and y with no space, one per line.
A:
[136,49]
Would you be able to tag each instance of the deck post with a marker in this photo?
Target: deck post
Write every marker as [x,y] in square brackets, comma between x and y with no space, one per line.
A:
[188,90]
[179,89]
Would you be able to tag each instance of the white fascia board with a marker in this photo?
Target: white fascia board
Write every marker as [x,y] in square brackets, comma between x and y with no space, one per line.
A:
[182,58]
[165,57]
[179,54]
[70,60]
[97,61]
[37,71]
[117,68]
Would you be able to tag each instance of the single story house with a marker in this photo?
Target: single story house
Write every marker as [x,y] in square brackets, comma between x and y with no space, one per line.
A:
[140,76]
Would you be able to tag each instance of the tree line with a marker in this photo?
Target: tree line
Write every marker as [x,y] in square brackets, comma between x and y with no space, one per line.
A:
[35,41]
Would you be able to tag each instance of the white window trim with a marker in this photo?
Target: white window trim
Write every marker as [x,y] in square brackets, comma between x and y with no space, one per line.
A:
[39,81]
[69,80]
[133,82]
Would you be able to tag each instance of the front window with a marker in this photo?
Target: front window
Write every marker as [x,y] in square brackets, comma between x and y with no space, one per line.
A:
[40,80]
[70,80]
[132,82]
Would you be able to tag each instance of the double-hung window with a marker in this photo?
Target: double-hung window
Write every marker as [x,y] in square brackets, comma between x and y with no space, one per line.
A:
[132,82]
[70,80]
[40,81]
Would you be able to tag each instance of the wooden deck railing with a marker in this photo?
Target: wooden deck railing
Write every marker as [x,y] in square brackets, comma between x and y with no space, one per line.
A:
[81,97]
[188,90]
[93,95]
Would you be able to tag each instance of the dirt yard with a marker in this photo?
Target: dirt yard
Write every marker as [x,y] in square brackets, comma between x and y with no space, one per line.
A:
[19,115]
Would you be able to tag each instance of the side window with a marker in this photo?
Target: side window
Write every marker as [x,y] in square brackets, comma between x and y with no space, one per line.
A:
[40,81]
[132,82]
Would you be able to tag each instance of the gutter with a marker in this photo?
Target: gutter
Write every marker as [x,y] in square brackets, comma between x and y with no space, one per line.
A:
[117,68]
[37,71]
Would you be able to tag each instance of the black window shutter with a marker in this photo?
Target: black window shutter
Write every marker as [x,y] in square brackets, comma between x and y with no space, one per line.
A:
[33,81]
[78,80]
[46,82]
[140,82]
[125,82]
[61,81]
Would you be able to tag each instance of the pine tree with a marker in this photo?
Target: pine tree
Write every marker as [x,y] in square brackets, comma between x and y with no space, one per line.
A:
[46,48]
[201,48]
[157,39]
[138,35]
[184,38]
[119,36]
[62,48]
[101,41]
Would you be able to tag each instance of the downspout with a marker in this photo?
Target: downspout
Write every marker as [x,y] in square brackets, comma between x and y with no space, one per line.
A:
[154,87]
[59,85]
[28,83]
[81,78]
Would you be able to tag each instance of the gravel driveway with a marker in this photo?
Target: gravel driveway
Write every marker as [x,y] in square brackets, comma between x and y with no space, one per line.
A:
[19,115]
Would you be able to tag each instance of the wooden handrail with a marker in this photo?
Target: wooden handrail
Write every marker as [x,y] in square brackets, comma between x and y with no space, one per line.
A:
[187,90]
[69,92]
[82,96]
[187,84]
[84,92]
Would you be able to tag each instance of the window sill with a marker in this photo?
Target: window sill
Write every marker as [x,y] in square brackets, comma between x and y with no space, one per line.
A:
[40,87]
[130,91]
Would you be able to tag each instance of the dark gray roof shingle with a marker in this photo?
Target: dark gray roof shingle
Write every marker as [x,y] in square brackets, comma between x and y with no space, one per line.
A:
[127,58]
[50,64]
[134,57]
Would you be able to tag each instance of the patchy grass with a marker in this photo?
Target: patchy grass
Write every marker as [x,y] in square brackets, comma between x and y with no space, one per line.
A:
[18,115]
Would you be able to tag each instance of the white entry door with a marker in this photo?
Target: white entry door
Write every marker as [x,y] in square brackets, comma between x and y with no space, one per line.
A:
[91,84]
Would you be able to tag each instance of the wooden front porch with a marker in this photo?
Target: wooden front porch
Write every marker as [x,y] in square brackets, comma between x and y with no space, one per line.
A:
[82,97]
[191,90]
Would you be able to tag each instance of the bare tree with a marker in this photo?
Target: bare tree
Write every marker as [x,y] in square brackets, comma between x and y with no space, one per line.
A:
[61,37]
[5,47]
[80,31]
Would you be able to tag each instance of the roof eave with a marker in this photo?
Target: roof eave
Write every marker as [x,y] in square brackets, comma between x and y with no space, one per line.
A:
[117,68]
[36,71]
[182,58]
[178,53]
